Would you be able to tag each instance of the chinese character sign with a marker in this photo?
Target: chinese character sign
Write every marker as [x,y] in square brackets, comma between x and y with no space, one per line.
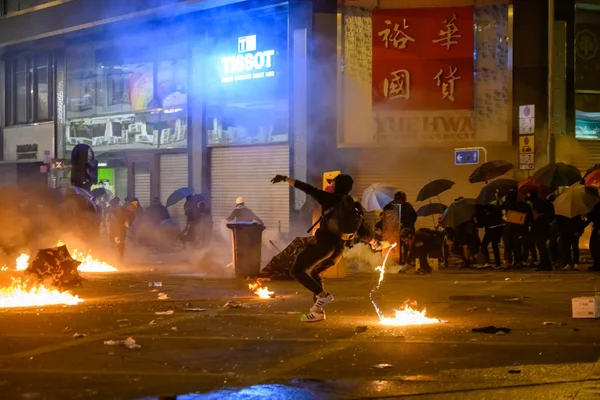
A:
[423,58]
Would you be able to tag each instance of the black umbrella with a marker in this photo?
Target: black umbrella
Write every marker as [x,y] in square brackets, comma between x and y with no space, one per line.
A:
[431,209]
[594,168]
[434,188]
[179,195]
[496,190]
[554,175]
[459,212]
[490,170]
[56,264]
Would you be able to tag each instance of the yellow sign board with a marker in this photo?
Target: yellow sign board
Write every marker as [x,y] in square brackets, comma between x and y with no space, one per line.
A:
[526,144]
[329,175]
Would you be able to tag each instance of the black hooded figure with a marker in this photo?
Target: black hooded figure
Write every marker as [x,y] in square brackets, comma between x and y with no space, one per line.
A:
[326,248]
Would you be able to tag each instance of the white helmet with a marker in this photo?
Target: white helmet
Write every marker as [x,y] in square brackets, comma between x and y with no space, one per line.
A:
[239,200]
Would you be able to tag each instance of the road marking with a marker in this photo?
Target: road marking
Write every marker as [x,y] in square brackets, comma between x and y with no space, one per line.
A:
[137,372]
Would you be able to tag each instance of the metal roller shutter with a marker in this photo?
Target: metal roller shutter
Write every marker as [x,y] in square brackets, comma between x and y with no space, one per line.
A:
[592,156]
[121,183]
[173,175]
[141,186]
[246,172]
[409,171]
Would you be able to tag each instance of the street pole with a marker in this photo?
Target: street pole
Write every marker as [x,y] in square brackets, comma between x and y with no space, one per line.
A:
[551,146]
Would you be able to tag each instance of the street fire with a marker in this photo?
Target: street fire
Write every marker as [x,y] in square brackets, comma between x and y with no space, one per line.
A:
[262,292]
[406,315]
[18,294]
[22,262]
[88,263]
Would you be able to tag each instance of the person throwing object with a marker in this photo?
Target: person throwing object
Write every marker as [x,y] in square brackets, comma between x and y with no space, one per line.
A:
[341,221]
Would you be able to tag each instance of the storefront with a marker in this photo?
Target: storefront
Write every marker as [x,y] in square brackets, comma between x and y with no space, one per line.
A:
[418,83]
[248,114]
[127,99]
[587,79]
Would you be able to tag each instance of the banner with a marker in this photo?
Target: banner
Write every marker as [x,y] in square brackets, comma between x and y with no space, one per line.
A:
[423,59]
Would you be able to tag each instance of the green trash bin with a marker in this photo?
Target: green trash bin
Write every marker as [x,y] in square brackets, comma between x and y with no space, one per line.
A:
[247,244]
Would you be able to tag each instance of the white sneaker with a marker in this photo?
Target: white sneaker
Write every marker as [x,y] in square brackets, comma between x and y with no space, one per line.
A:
[568,268]
[575,267]
[320,303]
[313,317]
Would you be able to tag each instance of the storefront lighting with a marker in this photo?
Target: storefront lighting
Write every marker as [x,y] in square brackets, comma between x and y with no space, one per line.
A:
[102,164]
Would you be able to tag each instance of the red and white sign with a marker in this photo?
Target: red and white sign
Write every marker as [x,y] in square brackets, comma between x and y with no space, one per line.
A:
[423,59]
[59,164]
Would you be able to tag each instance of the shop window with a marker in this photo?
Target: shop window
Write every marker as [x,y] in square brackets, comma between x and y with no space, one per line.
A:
[127,98]
[29,89]
[587,71]
[247,96]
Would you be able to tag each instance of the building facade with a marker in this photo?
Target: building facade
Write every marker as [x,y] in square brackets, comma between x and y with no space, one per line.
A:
[169,94]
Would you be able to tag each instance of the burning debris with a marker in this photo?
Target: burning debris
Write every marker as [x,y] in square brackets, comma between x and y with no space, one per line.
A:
[89,263]
[406,315]
[20,294]
[22,262]
[262,292]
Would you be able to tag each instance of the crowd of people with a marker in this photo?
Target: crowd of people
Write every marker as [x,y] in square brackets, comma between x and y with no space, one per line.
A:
[531,233]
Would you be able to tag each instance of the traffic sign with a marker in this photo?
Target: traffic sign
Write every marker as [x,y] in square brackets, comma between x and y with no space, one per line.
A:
[59,164]
[526,162]
[526,144]
[466,157]
[527,119]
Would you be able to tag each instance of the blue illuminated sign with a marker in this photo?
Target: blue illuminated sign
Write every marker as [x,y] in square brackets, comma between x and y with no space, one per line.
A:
[466,157]
[248,63]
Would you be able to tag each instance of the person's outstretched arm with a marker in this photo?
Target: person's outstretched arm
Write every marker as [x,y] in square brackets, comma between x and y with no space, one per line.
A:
[321,196]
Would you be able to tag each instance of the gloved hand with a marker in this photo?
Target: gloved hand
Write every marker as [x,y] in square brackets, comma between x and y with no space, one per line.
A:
[278,178]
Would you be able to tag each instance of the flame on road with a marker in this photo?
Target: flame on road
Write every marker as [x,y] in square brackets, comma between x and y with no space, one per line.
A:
[262,292]
[406,315]
[22,262]
[90,264]
[19,294]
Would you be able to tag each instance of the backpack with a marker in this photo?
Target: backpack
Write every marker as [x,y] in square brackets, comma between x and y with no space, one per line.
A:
[345,218]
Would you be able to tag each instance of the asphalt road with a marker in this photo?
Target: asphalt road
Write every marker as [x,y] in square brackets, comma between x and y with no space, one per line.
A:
[263,351]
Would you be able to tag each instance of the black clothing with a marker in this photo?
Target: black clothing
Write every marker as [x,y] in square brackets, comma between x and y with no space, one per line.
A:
[327,248]
[408,215]
[425,242]
[492,236]
[514,233]
[244,214]
[156,213]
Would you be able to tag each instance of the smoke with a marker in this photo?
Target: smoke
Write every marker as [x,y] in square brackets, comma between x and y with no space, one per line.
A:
[360,258]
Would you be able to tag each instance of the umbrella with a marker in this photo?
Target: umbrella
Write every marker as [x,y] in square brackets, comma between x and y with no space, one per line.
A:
[594,168]
[576,200]
[434,188]
[99,192]
[490,170]
[554,175]
[79,191]
[593,179]
[179,195]
[530,185]
[431,209]
[57,264]
[496,190]
[377,196]
[459,212]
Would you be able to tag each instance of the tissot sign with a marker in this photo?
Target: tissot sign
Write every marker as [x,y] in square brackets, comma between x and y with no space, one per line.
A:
[249,63]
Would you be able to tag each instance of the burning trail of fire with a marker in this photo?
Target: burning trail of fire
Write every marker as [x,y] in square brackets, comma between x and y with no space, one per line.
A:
[406,315]
[88,263]
[262,292]
[18,294]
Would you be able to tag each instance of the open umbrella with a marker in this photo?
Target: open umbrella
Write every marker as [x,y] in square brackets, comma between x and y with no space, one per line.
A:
[459,212]
[496,190]
[431,209]
[179,195]
[377,196]
[593,179]
[434,188]
[595,167]
[490,170]
[56,264]
[530,185]
[576,200]
[554,175]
